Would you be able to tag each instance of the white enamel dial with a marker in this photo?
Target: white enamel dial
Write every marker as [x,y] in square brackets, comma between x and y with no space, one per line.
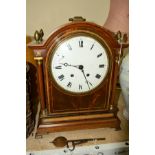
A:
[79,64]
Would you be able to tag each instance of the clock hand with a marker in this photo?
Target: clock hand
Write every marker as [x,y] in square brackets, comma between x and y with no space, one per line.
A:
[85,78]
[66,64]
[81,68]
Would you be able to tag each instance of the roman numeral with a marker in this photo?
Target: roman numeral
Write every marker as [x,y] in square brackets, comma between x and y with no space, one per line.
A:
[61,77]
[69,47]
[101,66]
[99,55]
[80,87]
[98,76]
[92,47]
[89,83]
[69,84]
[58,67]
[80,43]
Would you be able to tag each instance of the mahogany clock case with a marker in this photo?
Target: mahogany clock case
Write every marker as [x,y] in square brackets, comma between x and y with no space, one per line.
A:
[62,110]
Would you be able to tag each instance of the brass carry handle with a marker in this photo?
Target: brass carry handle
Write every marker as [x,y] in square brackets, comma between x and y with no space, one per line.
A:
[77,19]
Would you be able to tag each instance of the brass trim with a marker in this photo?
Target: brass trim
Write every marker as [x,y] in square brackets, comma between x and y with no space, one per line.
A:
[38,58]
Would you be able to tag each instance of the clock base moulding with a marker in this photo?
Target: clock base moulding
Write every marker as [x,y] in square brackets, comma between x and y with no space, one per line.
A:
[101,122]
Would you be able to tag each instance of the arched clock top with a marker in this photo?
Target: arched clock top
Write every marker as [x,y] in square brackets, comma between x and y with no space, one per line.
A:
[110,37]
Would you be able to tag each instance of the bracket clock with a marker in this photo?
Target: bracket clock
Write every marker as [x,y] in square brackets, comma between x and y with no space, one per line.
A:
[78,67]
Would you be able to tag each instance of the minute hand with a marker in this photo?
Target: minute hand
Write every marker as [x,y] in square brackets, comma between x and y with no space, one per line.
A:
[85,78]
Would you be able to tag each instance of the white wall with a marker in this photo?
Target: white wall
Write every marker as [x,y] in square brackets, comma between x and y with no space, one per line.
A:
[49,14]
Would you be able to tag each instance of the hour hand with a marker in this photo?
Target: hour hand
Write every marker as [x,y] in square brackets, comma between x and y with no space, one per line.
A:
[66,64]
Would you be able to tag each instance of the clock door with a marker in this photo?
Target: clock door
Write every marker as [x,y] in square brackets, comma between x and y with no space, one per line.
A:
[79,64]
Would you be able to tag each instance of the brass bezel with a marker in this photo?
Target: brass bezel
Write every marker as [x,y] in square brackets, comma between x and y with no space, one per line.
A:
[60,40]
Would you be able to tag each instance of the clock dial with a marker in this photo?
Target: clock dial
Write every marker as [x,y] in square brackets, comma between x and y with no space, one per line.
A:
[79,64]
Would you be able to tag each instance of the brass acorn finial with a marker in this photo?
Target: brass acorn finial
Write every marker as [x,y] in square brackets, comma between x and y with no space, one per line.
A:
[41,34]
[121,38]
[38,36]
